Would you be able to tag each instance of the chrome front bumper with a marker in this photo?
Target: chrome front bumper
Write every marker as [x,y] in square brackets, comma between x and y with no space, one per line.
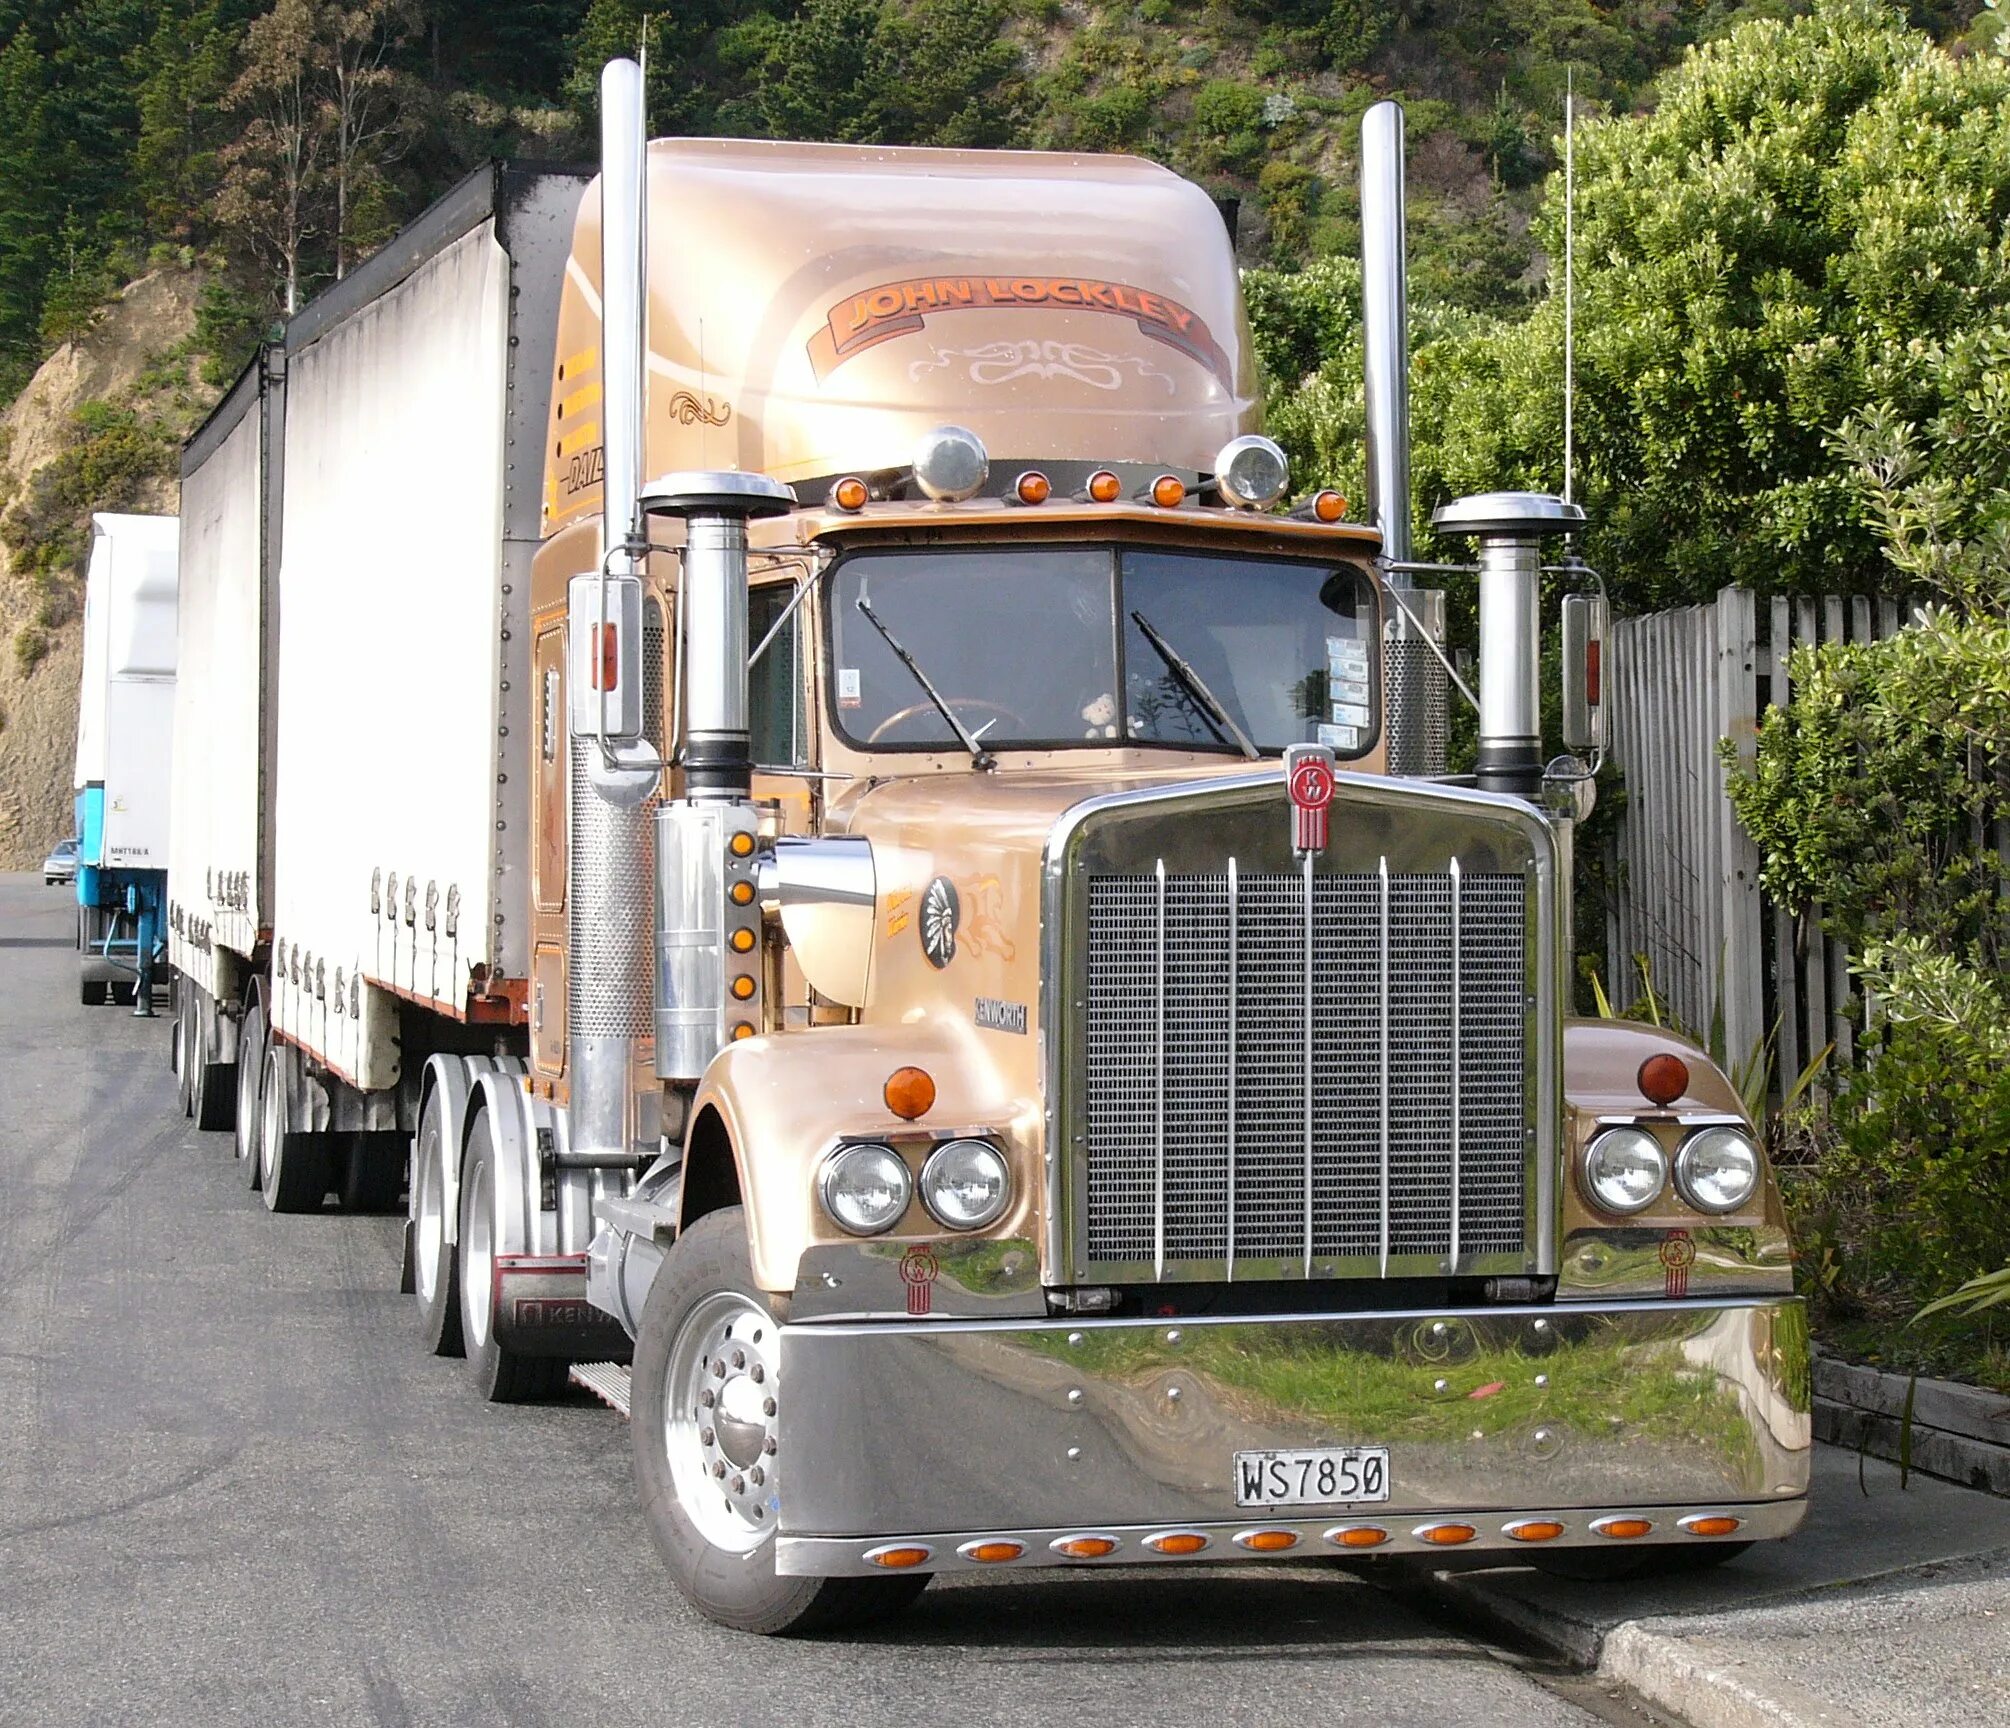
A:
[936,1435]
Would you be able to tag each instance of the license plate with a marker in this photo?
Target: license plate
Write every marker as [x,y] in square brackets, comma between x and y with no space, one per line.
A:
[1320,1476]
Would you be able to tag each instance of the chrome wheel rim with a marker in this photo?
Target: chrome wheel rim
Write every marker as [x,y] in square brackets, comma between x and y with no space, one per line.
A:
[271,1121]
[720,1407]
[478,1251]
[250,1101]
[428,1210]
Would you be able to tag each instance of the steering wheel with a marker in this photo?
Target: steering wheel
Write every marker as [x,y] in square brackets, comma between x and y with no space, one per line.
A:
[955,702]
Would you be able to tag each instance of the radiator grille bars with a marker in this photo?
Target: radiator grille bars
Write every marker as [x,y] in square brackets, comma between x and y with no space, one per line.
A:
[1286,1070]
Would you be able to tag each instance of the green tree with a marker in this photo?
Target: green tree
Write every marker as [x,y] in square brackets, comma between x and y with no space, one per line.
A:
[183,75]
[24,207]
[274,169]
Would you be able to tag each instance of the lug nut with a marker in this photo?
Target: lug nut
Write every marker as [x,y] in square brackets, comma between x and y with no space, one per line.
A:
[758,1374]
[739,1358]
[719,1470]
[739,1484]
[767,1406]
[705,1398]
[719,1369]
[769,1447]
[757,1476]
[704,1436]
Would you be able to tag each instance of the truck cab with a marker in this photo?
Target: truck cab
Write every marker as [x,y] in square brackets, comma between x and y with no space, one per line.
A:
[1088,1108]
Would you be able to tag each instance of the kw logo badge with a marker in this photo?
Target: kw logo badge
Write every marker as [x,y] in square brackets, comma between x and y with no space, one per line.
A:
[919,1269]
[1678,1254]
[1308,777]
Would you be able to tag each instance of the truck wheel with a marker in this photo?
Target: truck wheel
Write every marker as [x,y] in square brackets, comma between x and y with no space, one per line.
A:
[293,1167]
[250,1086]
[214,1091]
[434,1279]
[706,1393]
[91,992]
[502,1375]
[184,1042]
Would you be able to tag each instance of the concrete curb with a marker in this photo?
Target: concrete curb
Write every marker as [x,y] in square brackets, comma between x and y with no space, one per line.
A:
[1701,1683]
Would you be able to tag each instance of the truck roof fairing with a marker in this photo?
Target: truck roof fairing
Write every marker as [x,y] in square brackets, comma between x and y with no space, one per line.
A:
[814,308]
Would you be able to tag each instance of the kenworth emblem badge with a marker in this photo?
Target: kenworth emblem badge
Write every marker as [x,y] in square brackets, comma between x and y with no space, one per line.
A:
[941,909]
[1308,776]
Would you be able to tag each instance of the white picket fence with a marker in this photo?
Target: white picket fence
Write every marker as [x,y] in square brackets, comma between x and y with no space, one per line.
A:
[1686,888]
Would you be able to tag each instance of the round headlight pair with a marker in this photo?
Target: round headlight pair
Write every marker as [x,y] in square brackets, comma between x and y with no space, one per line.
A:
[964,1184]
[1716,1169]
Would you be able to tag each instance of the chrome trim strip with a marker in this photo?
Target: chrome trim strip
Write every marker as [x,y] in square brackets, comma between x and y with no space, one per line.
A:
[842,1556]
[1307,878]
[1382,870]
[1234,1031]
[1458,1021]
[1159,1094]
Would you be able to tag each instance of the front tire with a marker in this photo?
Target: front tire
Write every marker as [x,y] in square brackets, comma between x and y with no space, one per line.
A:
[707,1390]
[501,1375]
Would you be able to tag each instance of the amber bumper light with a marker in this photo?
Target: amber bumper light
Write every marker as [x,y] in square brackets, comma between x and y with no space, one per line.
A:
[1533,1530]
[1358,1536]
[1445,1535]
[992,1553]
[1084,1547]
[899,1556]
[1712,1524]
[1177,1542]
[1267,1541]
[1623,1529]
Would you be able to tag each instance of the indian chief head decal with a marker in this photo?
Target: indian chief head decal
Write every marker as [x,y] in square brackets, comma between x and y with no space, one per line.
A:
[941,909]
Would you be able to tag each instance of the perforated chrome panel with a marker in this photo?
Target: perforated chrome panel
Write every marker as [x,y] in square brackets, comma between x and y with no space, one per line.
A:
[1415,681]
[1296,1099]
[609,912]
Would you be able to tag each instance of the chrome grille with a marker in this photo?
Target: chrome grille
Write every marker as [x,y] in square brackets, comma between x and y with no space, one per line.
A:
[1338,1099]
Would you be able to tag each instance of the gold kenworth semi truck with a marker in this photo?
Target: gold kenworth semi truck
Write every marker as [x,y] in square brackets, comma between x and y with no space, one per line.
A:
[885,873]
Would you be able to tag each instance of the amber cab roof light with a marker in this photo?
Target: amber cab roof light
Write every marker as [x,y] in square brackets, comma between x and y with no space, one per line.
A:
[1103,487]
[1663,1078]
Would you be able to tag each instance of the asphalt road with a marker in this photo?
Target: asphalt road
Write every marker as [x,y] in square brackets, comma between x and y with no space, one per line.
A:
[234,1490]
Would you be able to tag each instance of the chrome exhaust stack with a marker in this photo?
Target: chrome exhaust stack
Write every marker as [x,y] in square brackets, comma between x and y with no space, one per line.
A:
[1413,678]
[709,972]
[615,766]
[1510,527]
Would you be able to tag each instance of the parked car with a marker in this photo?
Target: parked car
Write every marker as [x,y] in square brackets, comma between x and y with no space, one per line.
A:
[61,864]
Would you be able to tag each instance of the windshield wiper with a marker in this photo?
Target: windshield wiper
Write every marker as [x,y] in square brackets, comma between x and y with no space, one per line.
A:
[1196,687]
[979,756]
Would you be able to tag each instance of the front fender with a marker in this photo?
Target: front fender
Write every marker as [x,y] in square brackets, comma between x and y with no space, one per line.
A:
[784,1098]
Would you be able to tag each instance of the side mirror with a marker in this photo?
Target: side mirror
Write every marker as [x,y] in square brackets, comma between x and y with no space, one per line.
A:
[1583,672]
[604,675]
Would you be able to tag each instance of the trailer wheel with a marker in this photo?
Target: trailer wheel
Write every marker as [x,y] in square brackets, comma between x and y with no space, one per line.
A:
[91,992]
[251,1086]
[214,1090]
[501,1375]
[706,1395]
[184,1042]
[434,1273]
[293,1167]
[369,1171]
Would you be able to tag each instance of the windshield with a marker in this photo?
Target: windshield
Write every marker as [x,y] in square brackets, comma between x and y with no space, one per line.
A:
[1051,646]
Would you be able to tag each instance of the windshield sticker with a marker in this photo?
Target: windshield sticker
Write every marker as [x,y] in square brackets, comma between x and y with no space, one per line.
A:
[849,693]
[1340,737]
[1349,714]
[878,314]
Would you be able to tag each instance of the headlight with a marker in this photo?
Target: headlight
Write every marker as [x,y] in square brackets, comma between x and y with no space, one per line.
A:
[866,1188]
[1624,1169]
[965,1184]
[1717,1169]
[1251,471]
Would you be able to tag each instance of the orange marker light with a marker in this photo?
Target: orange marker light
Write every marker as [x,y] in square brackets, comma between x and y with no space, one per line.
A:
[1712,1524]
[849,493]
[1104,487]
[1445,1535]
[1358,1536]
[899,1557]
[743,1029]
[741,845]
[741,893]
[1168,491]
[1622,1529]
[1177,1542]
[1084,1547]
[1663,1078]
[742,988]
[910,1093]
[1534,1530]
[992,1553]
[741,941]
[1328,507]
[1032,487]
[1267,1541]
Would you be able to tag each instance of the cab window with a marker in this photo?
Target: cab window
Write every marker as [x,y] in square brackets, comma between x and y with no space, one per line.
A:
[774,682]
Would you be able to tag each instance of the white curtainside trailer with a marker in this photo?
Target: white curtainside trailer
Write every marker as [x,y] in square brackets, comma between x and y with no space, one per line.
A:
[379,855]
[219,847]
